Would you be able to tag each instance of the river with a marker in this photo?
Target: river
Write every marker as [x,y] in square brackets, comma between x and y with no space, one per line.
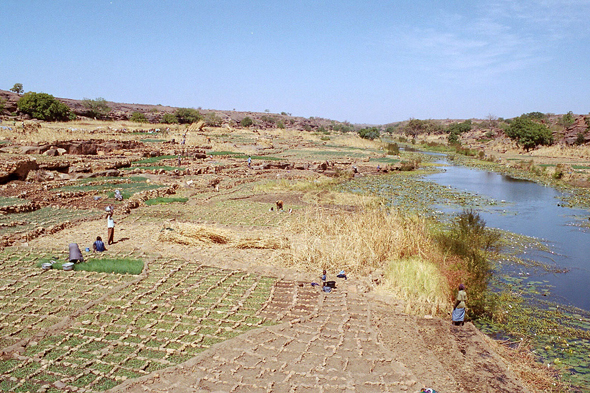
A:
[533,210]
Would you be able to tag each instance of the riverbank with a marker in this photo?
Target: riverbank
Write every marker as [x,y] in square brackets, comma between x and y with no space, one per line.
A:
[225,215]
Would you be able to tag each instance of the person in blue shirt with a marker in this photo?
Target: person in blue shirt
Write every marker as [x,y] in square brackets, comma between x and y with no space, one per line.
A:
[98,245]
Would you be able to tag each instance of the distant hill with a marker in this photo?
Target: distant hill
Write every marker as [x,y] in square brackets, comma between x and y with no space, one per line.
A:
[154,114]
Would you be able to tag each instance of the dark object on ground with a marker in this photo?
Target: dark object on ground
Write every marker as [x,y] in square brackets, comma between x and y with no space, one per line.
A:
[331,284]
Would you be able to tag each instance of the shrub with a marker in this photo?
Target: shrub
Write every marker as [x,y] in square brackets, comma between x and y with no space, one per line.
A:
[580,139]
[187,115]
[280,124]
[567,120]
[169,118]
[469,239]
[453,138]
[416,126]
[43,106]
[138,117]
[96,108]
[534,116]
[459,128]
[212,120]
[2,104]
[369,133]
[529,134]
[392,149]
[246,122]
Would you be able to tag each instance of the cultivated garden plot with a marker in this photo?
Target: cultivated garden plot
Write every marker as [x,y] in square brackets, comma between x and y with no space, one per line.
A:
[141,323]
[42,218]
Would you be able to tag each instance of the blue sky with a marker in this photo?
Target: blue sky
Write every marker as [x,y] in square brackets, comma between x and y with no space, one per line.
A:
[362,61]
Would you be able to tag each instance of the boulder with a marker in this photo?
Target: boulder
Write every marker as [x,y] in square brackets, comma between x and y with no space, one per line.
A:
[16,168]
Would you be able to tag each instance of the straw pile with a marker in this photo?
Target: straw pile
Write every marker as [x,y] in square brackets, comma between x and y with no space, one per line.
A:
[193,234]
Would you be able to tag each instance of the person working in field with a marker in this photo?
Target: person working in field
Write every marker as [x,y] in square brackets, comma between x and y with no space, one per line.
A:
[98,245]
[459,309]
[75,255]
[110,226]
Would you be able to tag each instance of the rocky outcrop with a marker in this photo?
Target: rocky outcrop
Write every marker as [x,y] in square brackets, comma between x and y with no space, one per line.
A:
[16,168]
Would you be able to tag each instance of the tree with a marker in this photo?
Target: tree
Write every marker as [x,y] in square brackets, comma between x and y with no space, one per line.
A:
[246,122]
[18,88]
[528,133]
[43,106]
[369,133]
[169,118]
[187,115]
[567,120]
[2,105]
[96,108]
[138,117]
[459,128]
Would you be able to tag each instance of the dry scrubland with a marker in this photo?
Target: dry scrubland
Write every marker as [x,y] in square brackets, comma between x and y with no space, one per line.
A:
[220,263]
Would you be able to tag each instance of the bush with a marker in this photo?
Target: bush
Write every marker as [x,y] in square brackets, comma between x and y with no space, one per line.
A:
[416,126]
[459,128]
[246,122]
[567,120]
[280,124]
[43,106]
[169,118]
[534,116]
[2,104]
[212,120]
[138,117]
[580,139]
[369,133]
[469,239]
[453,138]
[96,108]
[529,134]
[187,115]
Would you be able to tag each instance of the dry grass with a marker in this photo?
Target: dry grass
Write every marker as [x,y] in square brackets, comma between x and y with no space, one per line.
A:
[353,140]
[374,239]
[562,151]
[420,283]
[193,234]
[357,242]
[207,235]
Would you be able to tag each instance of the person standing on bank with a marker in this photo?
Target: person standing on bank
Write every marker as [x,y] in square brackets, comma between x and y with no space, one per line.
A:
[459,309]
[110,227]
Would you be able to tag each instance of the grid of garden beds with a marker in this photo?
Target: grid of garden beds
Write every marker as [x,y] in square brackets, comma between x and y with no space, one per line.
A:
[122,326]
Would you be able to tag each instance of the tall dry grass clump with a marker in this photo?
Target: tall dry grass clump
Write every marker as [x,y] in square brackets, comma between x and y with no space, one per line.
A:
[358,242]
[363,241]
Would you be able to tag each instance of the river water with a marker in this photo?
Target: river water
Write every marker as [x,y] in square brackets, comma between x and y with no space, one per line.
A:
[534,210]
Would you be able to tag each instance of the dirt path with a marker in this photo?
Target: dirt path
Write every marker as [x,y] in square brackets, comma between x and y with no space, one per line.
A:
[337,342]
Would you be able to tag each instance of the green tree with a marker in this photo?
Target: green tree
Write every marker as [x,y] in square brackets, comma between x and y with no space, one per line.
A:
[18,88]
[169,118]
[187,115]
[246,122]
[138,117]
[567,120]
[96,108]
[528,133]
[416,126]
[43,106]
[459,128]
[534,116]
[369,133]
